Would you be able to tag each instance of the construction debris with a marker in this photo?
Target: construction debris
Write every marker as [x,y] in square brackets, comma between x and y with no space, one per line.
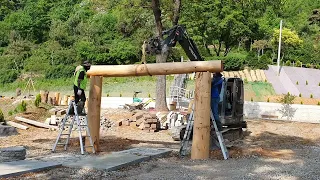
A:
[143,120]
[36,123]
[17,125]
[106,123]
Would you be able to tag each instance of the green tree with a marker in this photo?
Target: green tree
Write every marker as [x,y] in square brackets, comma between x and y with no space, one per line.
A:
[289,39]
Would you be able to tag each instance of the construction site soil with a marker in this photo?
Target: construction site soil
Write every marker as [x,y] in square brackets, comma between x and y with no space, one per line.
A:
[269,150]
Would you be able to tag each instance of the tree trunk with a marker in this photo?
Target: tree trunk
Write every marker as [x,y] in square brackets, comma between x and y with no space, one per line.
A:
[176,11]
[218,50]
[161,102]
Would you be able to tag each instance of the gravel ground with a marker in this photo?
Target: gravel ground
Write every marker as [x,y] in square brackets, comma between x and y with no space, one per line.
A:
[270,150]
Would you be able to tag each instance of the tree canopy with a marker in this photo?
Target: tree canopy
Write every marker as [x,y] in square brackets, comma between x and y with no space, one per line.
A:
[50,38]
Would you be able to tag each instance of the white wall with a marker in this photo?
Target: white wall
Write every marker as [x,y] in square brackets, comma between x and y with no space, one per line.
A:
[252,110]
[303,113]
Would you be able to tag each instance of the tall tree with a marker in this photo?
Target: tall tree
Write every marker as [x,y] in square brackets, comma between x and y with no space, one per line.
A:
[161,102]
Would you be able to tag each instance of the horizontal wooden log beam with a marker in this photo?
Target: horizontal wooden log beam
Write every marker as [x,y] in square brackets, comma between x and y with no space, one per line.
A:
[155,68]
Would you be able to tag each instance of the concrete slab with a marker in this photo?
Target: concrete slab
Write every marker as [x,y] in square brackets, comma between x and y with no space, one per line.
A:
[117,160]
[16,168]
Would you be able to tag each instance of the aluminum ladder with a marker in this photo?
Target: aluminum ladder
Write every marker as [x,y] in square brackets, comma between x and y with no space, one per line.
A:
[74,116]
[187,134]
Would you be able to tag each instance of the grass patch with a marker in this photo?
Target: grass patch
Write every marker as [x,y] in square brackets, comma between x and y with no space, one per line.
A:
[262,89]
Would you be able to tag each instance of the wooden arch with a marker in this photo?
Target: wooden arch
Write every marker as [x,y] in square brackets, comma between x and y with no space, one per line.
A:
[203,69]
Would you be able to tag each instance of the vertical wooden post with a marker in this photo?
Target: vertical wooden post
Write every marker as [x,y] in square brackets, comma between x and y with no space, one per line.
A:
[94,107]
[201,131]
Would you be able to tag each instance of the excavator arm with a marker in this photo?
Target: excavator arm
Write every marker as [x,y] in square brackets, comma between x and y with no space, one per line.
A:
[174,35]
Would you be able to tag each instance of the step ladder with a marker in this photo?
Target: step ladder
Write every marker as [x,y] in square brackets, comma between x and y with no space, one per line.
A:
[187,134]
[72,113]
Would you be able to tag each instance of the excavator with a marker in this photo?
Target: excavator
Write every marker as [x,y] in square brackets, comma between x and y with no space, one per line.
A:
[231,105]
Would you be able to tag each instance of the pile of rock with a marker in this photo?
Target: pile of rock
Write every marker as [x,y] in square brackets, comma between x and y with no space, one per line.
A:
[143,120]
[106,123]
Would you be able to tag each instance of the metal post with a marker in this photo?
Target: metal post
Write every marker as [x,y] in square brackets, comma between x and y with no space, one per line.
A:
[279,49]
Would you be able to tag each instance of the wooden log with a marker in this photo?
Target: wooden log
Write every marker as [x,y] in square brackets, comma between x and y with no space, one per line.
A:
[94,108]
[155,68]
[36,123]
[201,132]
[57,96]
[17,125]
[44,96]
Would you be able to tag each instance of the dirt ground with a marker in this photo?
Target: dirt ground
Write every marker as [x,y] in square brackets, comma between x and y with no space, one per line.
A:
[269,150]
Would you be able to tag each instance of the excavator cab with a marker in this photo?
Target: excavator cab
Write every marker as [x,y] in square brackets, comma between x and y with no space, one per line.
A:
[231,105]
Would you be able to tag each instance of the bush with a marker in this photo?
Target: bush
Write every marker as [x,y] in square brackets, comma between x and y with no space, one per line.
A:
[245,80]
[288,63]
[120,94]
[38,100]
[8,76]
[233,62]
[253,61]
[251,99]
[297,83]
[307,83]
[287,99]
[318,103]
[311,96]
[60,71]
[300,95]
[298,64]
[108,94]
[308,65]
[268,100]
[149,95]
[1,116]
[318,66]
[301,102]
[22,107]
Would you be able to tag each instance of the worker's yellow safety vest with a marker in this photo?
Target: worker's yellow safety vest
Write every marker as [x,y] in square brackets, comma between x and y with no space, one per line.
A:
[83,83]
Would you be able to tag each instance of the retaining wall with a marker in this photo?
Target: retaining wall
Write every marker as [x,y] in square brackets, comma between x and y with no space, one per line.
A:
[264,110]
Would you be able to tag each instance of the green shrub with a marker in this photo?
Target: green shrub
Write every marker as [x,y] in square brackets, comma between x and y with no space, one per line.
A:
[297,83]
[120,94]
[308,65]
[300,95]
[288,63]
[307,83]
[22,107]
[268,100]
[318,66]
[298,64]
[318,103]
[233,62]
[10,113]
[108,94]
[319,84]
[254,62]
[1,116]
[8,76]
[38,100]
[251,99]
[245,80]
[60,71]
[301,102]
[311,96]
[287,99]
[149,95]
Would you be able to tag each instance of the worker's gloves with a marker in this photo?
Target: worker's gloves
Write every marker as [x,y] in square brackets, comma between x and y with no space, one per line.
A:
[79,92]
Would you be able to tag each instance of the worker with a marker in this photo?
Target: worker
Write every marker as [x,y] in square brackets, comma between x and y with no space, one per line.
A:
[216,86]
[79,86]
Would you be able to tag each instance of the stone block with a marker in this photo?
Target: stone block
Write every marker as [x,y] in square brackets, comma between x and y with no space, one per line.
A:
[7,130]
[12,154]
